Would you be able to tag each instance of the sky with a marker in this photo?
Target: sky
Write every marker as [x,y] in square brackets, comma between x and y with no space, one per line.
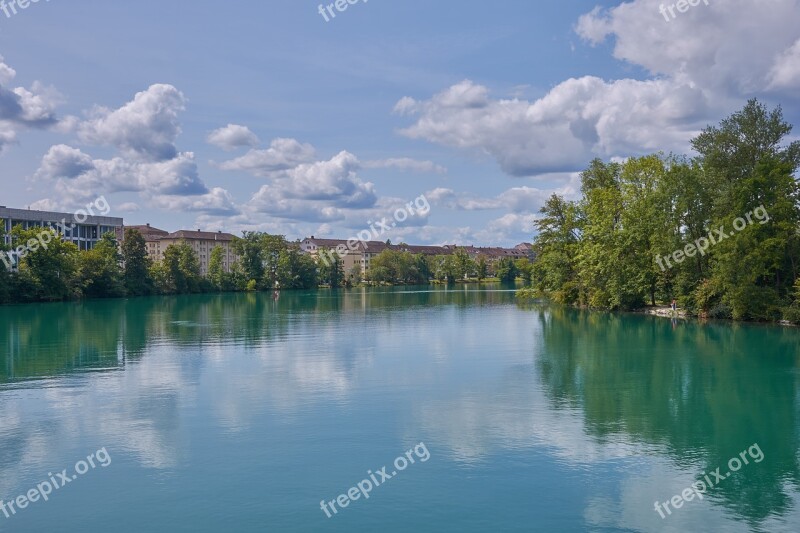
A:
[265,116]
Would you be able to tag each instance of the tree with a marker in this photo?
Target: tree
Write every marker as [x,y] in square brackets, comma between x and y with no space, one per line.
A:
[636,234]
[483,268]
[557,246]
[445,268]
[747,166]
[331,271]
[48,268]
[507,270]
[296,270]
[100,274]
[5,268]
[219,279]
[136,269]
[354,274]
[251,258]
[465,266]
[179,270]
[525,269]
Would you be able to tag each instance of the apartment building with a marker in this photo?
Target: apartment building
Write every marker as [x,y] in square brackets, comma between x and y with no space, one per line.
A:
[83,231]
[363,252]
[202,242]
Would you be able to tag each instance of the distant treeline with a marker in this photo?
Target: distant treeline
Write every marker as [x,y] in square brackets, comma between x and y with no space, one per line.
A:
[59,271]
[52,269]
[400,267]
[648,230]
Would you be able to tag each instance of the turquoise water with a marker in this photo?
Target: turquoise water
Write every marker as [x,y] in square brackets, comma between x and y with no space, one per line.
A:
[243,412]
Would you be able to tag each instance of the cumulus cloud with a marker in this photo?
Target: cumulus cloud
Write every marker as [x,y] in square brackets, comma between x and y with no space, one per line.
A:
[725,47]
[272,201]
[144,131]
[316,192]
[232,136]
[577,120]
[22,108]
[144,128]
[702,66]
[282,155]
[172,185]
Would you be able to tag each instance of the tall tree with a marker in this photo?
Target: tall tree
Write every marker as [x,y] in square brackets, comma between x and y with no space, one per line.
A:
[136,264]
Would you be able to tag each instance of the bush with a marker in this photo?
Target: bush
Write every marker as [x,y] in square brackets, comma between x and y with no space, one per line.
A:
[792,314]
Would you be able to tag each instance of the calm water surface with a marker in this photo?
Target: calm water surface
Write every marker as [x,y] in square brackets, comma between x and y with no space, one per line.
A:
[242,412]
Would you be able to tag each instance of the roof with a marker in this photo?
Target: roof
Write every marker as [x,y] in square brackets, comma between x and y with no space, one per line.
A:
[200,236]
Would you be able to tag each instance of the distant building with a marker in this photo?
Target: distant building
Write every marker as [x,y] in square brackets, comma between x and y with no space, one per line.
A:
[495,254]
[363,253]
[83,231]
[202,242]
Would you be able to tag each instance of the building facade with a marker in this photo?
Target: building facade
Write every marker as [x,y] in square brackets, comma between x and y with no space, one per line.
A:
[83,231]
[202,242]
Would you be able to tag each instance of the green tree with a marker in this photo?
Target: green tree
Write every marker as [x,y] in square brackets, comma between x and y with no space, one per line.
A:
[6,281]
[136,269]
[296,270]
[507,270]
[748,164]
[465,266]
[179,271]
[483,268]
[331,271]
[251,259]
[100,274]
[557,246]
[49,269]
[219,279]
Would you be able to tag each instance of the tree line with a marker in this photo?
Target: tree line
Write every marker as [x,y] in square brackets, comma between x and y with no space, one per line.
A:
[403,267]
[59,271]
[603,250]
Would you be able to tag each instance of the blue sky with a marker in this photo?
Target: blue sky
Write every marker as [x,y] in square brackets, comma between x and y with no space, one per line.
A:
[486,108]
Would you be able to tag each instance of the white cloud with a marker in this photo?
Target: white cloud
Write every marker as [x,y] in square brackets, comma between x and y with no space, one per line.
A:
[726,47]
[703,65]
[282,155]
[316,192]
[232,136]
[22,108]
[144,128]
[171,185]
[577,120]
[785,73]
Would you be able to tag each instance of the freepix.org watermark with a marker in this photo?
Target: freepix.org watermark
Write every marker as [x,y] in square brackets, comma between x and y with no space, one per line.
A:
[46,236]
[681,5]
[376,230]
[329,11]
[365,486]
[44,489]
[700,488]
[9,7]
[716,236]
